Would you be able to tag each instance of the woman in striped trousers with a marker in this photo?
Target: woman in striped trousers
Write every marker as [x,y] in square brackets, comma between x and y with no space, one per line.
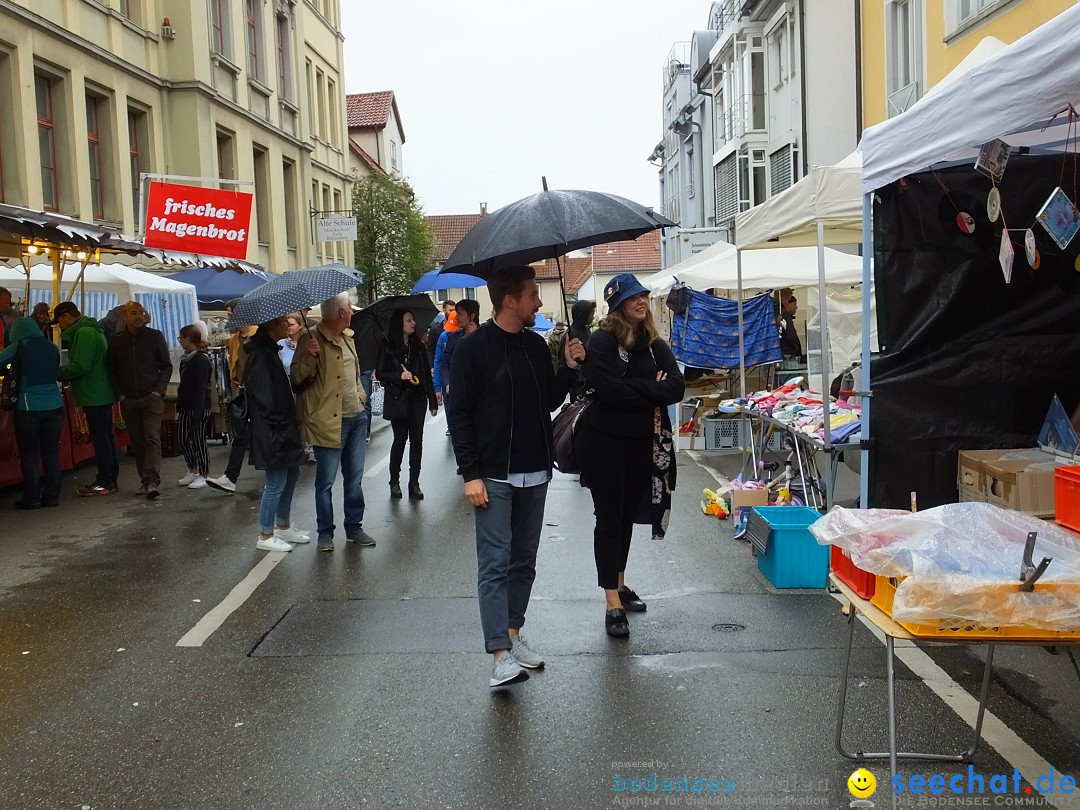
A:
[193,404]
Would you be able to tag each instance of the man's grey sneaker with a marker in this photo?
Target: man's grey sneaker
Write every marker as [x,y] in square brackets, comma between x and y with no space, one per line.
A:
[151,491]
[223,483]
[507,671]
[361,538]
[525,655]
[326,542]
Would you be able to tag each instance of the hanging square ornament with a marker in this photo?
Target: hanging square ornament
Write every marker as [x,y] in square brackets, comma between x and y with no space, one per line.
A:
[992,159]
[1006,254]
[1060,218]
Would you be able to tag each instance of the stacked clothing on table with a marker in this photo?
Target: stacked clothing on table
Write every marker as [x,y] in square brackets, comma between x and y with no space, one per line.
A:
[803,411]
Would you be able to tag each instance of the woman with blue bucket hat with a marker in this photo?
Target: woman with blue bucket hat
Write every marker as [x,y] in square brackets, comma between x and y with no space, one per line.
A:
[624,442]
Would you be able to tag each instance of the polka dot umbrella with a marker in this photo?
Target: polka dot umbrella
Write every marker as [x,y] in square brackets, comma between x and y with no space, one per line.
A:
[291,291]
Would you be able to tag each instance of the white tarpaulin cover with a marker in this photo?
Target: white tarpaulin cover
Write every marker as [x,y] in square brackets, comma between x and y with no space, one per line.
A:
[1012,96]
[832,194]
[716,267]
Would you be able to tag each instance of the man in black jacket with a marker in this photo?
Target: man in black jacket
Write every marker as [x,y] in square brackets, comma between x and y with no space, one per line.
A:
[140,368]
[500,420]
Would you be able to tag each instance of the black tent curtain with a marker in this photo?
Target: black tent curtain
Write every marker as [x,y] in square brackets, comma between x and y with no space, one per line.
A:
[967,361]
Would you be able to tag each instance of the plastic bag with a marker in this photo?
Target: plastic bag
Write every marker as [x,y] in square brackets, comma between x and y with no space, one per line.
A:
[962,561]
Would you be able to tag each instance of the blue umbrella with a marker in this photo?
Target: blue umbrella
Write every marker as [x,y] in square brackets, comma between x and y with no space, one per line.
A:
[542,324]
[431,280]
[214,286]
[291,291]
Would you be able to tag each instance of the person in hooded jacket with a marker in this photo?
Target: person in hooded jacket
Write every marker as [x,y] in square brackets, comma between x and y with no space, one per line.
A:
[274,435]
[86,371]
[39,411]
[582,315]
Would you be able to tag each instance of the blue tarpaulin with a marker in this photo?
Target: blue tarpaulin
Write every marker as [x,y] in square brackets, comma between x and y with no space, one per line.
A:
[707,334]
[216,287]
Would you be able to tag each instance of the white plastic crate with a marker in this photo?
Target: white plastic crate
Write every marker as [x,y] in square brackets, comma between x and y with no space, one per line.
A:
[724,433]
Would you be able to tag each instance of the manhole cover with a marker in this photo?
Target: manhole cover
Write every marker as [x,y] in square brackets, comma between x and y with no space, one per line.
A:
[728,628]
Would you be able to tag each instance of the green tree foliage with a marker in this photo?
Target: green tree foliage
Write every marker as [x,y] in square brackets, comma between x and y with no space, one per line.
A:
[394,243]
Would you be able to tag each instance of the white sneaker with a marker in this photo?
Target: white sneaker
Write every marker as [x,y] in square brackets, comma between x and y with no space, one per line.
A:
[187,479]
[291,535]
[198,483]
[524,654]
[273,544]
[506,671]
[223,483]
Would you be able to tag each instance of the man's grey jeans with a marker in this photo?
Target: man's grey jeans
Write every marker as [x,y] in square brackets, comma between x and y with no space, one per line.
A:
[507,537]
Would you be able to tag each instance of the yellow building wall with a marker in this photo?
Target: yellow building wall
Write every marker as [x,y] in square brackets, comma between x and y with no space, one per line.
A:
[942,51]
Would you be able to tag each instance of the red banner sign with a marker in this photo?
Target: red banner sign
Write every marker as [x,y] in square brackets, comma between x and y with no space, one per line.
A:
[198,220]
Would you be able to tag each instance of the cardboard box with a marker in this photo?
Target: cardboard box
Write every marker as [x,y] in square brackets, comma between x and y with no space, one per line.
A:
[741,498]
[1017,479]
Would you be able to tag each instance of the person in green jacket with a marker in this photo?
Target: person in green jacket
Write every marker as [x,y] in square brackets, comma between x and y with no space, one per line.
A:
[89,378]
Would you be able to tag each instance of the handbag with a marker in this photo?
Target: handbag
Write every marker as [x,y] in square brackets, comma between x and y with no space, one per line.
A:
[562,432]
[378,395]
[9,386]
[239,415]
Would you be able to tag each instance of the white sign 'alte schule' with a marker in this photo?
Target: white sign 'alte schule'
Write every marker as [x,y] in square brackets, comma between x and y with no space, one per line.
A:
[335,229]
[210,221]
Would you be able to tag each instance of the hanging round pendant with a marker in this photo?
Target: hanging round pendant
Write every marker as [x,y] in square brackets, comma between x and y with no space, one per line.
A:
[965,222]
[1029,248]
[1038,260]
[993,205]
[1076,264]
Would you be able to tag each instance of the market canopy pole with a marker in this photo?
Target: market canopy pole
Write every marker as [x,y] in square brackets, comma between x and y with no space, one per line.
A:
[865,395]
[823,325]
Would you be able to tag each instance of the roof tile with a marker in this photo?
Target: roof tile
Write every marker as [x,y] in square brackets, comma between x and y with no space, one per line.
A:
[369,109]
[449,230]
[640,255]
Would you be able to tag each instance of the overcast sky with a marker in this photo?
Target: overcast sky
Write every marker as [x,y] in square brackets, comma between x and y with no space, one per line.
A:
[493,94]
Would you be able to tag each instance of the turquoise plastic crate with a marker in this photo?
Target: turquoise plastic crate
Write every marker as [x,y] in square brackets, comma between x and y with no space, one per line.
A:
[792,558]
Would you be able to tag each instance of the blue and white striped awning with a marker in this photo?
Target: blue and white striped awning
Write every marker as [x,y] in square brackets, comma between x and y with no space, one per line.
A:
[96,304]
[169,312]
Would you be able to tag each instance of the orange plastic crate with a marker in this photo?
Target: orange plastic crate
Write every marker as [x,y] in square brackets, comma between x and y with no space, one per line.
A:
[860,581]
[1067,497]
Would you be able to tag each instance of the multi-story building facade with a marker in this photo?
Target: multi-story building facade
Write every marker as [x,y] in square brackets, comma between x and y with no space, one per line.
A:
[96,93]
[779,84]
[908,46]
[376,134]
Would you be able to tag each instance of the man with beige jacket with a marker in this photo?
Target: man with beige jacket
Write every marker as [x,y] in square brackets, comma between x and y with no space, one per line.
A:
[330,409]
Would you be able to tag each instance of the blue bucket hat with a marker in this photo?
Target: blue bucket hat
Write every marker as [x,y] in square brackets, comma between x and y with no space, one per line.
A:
[621,287]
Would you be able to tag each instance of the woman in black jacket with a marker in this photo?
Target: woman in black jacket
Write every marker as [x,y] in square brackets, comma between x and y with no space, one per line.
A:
[623,443]
[275,438]
[193,404]
[404,371]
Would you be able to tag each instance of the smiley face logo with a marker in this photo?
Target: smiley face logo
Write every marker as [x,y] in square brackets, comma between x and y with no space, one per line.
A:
[862,784]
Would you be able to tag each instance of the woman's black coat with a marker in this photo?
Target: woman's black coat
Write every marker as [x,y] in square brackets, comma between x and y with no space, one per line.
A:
[275,436]
[398,393]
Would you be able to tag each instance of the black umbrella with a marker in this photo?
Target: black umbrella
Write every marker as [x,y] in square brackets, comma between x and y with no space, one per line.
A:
[292,291]
[548,225]
[371,325]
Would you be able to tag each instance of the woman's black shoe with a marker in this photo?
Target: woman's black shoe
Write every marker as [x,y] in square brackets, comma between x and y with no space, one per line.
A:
[25,505]
[615,623]
[415,493]
[395,489]
[631,601]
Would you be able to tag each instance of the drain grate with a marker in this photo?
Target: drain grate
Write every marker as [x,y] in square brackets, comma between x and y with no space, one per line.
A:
[728,628]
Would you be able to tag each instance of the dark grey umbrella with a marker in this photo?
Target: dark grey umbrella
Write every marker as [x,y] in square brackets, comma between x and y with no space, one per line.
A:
[548,225]
[371,325]
[291,291]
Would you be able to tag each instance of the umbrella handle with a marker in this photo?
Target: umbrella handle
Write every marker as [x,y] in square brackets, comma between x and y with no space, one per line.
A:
[414,380]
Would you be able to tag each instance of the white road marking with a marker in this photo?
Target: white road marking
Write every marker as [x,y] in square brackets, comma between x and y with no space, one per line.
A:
[237,596]
[995,733]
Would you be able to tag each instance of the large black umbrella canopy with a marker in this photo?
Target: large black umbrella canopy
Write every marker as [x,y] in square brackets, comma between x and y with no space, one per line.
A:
[547,225]
[291,291]
[371,325]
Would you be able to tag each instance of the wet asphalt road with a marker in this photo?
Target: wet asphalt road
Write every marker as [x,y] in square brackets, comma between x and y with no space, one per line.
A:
[358,678]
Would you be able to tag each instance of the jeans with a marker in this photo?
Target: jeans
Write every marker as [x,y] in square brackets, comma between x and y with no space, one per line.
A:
[349,458]
[277,498]
[616,470]
[37,434]
[99,419]
[410,429]
[143,418]
[365,381]
[507,537]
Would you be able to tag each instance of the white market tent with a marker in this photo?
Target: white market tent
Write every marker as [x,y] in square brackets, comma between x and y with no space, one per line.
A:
[171,304]
[1022,94]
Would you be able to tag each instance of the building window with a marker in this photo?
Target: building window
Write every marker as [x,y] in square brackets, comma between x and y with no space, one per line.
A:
[138,143]
[292,204]
[320,93]
[50,187]
[94,108]
[903,29]
[331,103]
[393,155]
[226,156]
[262,193]
[219,27]
[468,293]
[442,295]
[284,56]
[970,9]
[253,27]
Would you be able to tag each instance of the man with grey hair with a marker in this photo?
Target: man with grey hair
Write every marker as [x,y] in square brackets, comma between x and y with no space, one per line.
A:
[330,409]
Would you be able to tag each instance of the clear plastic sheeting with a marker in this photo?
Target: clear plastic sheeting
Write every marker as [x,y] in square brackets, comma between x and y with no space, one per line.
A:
[962,562]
